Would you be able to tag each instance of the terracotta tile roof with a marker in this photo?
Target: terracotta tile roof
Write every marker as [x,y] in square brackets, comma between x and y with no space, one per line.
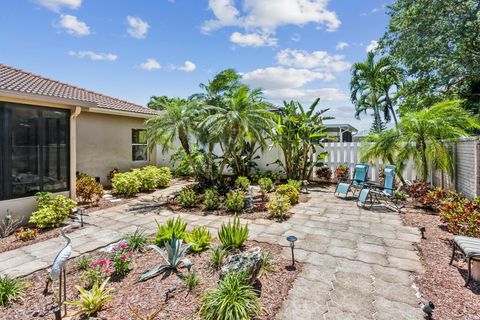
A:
[14,79]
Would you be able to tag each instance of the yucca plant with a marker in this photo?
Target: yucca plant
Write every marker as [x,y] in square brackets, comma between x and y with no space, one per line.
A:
[165,232]
[200,237]
[233,235]
[172,255]
[217,255]
[91,301]
[11,289]
[232,299]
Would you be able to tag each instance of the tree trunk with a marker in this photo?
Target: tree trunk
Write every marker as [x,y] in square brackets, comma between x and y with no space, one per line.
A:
[423,159]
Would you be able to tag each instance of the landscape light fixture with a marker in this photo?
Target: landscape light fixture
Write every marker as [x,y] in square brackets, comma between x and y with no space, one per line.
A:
[422,230]
[81,211]
[292,240]
[58,313]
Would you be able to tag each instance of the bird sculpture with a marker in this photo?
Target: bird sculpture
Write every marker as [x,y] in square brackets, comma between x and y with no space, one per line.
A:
[58,269]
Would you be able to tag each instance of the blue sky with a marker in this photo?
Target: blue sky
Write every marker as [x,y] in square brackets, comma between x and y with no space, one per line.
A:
[293,49]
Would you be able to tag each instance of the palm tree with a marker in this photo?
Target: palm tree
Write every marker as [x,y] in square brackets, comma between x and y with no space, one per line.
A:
[178,121]
[238,118]
[371,86]
[424,136]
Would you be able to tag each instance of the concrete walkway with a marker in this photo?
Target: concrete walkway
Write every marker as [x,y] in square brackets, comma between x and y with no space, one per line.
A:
[357,264]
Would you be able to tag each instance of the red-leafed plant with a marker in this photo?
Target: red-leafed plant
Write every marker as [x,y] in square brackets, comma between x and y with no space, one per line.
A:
[26,234]
[324,173]
[341,171]
[418,189]
[461,216]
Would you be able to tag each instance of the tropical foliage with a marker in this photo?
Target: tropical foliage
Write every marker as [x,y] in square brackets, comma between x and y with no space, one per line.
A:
[91,301]
[232,235]
[11,289]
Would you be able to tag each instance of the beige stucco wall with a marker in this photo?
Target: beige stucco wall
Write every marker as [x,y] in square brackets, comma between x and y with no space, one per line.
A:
[22,207]
[104,142]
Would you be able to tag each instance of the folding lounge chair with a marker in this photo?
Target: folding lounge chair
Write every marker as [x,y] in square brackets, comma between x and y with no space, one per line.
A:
[359,178]
[470,247]
[381,195]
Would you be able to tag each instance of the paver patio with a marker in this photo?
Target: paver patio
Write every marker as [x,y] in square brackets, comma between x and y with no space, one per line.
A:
[357,264]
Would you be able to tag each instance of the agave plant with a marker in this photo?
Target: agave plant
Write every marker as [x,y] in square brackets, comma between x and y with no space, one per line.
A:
[172,255]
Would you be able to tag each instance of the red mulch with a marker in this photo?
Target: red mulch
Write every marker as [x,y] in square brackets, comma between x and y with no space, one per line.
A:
[150,295]
[443,284]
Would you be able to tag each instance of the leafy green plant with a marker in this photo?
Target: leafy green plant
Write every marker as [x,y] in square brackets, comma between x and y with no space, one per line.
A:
[232,235]
[278,207]
[126,184]
[232,299]
[88,190]
[288,191]
[235,202]
[297,184]
[137,240]
[400,195]
[51,212]
[268,264]
[173,226]
[211,199]
[200,238]
[172,255]
[217,256]
[148,178]
[91,301]
[192,280]
[83,263]
[26,234]
[122,259]
[164,177]
[96,273]
[272,175]
[242,183]
[11,289]
[187,198]
[265,184]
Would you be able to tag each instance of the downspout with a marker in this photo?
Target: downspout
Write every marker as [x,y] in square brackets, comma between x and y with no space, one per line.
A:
[73,151]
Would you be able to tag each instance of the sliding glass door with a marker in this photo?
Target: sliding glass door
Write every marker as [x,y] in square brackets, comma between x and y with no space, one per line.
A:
[35,150]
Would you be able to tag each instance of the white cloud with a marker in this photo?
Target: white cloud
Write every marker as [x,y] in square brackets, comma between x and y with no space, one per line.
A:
[73,26]
[138,28]
[94,55]
[56,5]
[150,64]
[281,78]
[252,39]
[341,45]
[258,16]
[319,60]
[306,95]
[188,66]
[372,46]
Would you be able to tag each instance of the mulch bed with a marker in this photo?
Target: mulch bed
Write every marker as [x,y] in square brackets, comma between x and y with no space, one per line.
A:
[443,284]
[150,295]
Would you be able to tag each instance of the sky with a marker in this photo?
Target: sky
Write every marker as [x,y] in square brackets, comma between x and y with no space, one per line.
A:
[292,49]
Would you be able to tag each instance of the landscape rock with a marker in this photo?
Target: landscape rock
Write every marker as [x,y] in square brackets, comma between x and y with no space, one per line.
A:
[250,262]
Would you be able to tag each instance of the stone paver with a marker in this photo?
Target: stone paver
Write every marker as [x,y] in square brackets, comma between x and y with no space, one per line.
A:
[357,264]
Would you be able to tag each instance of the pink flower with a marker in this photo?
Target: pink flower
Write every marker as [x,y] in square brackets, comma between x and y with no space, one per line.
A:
[106,271]
[123,245]
[102,262]
[115,248]
[94,265]
[124,257]
[130,252]
[110,263]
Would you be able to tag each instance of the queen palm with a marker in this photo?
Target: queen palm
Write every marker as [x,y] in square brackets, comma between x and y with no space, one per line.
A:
[239,119]
[370,88]
[177,121]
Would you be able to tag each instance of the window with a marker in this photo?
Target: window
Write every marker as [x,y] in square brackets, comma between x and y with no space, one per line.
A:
[139,145]
[35,150]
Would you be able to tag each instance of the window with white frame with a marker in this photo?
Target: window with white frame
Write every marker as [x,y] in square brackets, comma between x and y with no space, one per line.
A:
[139,145]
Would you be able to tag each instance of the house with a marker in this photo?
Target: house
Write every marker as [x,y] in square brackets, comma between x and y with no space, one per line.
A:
[341,132]
[50,130]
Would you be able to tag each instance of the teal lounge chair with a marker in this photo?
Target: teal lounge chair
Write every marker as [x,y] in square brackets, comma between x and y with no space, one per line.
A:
[360,174]
[372,194]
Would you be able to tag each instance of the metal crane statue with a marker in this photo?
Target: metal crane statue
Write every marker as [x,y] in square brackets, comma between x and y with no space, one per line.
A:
[58,270]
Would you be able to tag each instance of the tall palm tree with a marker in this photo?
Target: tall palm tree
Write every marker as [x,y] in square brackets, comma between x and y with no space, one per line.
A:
[424,136]
[371,86]
[239,118]
[177,121]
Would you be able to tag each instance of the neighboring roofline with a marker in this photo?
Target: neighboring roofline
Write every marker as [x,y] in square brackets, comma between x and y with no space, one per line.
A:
[341,125]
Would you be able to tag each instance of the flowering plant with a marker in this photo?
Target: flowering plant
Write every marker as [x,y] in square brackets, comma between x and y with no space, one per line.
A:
[97,273]
[122,259]
[26,234]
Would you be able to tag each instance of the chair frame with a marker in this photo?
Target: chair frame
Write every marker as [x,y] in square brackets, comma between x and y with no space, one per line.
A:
[359,186]
[473,256]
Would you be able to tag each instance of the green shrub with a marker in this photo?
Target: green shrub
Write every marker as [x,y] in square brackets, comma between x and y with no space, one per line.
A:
[242,183]
[200,237]
[268,264]
[278,207]
[126,184]
[232,299]
[83,263]
[11,289]
[400,195]
[165,231]
[297,184]
[88,190]
[192,280]
[235,202]
[265,184]
[217,255]
[187,198]
[91,301]
[137,240]
[51,212]
[164,177]
[211,199]
[96,273]
[148,178]
[288,191]
[233,235]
